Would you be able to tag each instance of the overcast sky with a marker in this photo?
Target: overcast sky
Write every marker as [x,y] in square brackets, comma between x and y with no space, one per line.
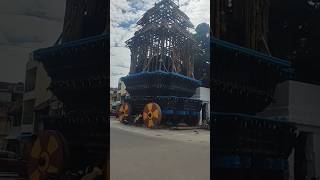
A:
[123,17]
[26,25]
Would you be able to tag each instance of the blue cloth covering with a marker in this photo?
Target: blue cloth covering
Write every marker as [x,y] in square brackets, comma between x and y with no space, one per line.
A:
[76,43]
[162,73]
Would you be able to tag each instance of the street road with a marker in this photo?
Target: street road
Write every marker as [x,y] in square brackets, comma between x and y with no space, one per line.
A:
[142,154]
[10,176]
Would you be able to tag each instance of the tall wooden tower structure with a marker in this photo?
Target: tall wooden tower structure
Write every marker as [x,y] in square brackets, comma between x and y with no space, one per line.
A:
[84,18]
[244,23]
[71,142]
[246,146]
[161,74]
[163,42]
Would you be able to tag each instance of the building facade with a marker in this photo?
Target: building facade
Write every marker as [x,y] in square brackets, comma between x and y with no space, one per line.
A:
[299,103]
[35,95]
[203,94]
[10,111]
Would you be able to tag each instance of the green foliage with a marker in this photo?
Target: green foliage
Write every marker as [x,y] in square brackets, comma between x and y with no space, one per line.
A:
[202,59]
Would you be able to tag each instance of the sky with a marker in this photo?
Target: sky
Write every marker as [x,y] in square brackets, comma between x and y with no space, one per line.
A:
[123,17]
[26,25]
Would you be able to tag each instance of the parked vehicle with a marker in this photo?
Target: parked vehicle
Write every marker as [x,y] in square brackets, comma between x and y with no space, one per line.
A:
[113,112]
[12,163]
[115,108]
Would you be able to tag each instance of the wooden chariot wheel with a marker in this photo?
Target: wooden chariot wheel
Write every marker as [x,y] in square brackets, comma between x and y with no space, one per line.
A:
[47,156]
[124,112]
[151,115]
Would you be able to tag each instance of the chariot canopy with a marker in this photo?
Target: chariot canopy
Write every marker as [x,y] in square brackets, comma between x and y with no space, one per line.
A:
[164,41]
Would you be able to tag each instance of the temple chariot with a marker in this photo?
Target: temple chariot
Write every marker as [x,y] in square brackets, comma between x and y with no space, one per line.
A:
[246,145]
[74,143]
[161,81]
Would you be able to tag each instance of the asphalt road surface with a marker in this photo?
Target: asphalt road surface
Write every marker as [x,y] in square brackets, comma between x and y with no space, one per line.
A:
[10,176]
[158,154]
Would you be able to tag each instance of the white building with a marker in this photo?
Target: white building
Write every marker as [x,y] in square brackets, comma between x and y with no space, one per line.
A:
[36,93]
[10,111]
[299,103]
[203,94]
[122,92]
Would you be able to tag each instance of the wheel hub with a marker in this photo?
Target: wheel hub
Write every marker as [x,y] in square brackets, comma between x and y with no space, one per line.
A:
[44,161]
[152,115]
[46,156]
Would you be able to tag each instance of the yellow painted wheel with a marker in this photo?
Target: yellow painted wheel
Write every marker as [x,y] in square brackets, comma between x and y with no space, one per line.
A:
[151,115]
[47,156]
[124,112]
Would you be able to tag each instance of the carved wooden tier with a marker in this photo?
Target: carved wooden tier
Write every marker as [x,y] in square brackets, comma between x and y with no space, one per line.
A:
[248,146]
[243,80]
[160,83]
[78,71]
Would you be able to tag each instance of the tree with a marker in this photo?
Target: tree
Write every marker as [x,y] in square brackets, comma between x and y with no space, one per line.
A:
[202,59]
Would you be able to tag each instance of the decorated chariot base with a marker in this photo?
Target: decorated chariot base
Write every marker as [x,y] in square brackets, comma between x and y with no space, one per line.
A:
[161,78]
[161,98]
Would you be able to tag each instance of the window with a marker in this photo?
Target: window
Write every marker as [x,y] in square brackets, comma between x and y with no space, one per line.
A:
[5,96]
[16,121]
[31,79]
[28,114]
